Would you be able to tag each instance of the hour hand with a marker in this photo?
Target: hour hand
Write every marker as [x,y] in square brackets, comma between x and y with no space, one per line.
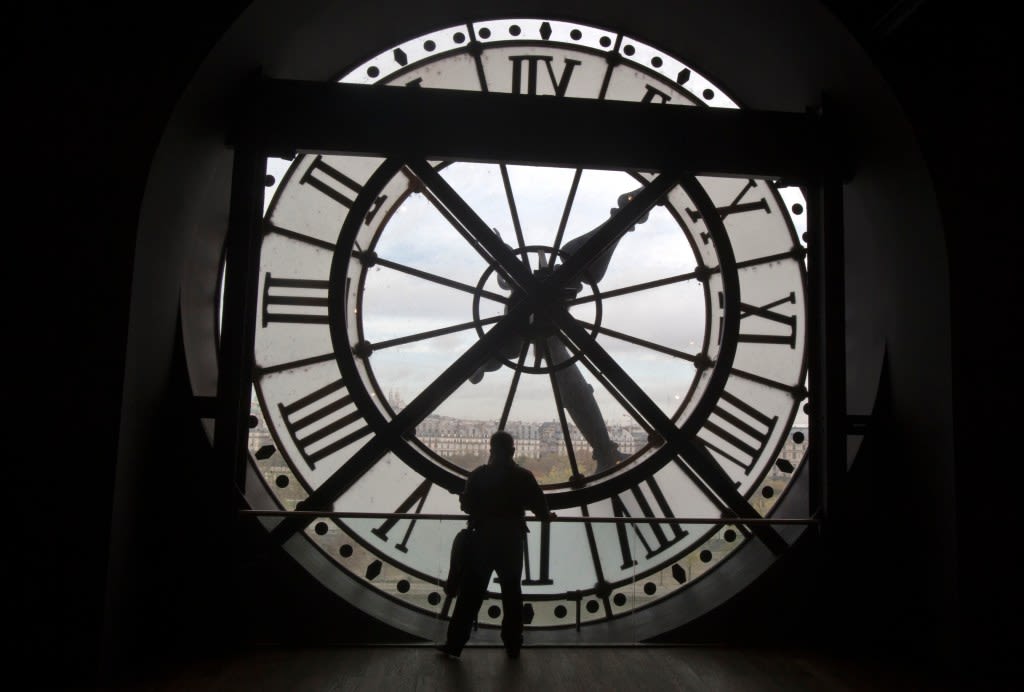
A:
[623,199]
[597,268]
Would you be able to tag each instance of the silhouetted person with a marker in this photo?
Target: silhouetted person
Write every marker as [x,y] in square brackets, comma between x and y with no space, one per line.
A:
[495,498]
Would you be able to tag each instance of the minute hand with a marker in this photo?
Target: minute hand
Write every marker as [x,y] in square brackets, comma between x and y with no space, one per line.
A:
[611,231]
[681,439]
[583,342]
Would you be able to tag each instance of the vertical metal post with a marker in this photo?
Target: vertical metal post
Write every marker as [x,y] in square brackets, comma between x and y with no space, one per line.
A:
[238,322]
[825,267]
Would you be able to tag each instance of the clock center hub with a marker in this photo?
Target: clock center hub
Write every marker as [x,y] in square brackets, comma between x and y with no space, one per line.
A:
[538,330]
[539,325]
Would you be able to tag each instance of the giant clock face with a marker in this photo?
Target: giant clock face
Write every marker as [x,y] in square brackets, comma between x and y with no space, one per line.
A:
[642,336]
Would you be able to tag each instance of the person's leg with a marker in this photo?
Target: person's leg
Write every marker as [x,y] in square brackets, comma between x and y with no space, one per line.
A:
[510,572]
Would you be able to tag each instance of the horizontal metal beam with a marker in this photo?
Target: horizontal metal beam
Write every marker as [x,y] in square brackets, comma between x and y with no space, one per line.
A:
[285,117]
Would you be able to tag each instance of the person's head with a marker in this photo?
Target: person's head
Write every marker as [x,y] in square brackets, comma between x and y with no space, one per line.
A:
[503,445]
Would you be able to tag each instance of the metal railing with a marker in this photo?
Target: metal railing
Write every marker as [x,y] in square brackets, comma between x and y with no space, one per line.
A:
[559,519]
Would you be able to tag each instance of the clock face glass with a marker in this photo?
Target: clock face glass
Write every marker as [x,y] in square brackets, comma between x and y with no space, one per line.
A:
[409,309]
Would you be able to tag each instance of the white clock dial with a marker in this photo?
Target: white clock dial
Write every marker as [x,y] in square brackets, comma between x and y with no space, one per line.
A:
[409,308]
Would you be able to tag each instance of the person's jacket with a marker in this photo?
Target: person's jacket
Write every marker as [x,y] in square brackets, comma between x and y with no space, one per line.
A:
[498,494]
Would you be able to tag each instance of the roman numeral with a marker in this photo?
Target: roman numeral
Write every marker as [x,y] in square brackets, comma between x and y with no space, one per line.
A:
[293,364]
[418,497]
[559,83]
[650,93]
[331,182]
[544,568]
[737,206]
[740,431]
[316,420]
[765,312]
[655,537]
[295,293]
[301,237]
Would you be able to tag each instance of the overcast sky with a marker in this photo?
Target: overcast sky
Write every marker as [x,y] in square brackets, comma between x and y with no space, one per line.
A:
[398,305]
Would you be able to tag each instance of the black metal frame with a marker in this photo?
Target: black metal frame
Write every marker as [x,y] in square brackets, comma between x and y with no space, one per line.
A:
[284,117]
[287,117]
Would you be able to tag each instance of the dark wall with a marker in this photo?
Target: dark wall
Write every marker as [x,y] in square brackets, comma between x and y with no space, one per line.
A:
[94,90]
[951,66]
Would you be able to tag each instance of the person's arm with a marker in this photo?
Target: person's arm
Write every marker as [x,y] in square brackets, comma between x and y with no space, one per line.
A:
[535,500]
[469,500]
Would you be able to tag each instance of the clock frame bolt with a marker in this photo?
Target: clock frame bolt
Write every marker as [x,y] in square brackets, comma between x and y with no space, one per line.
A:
[702,362]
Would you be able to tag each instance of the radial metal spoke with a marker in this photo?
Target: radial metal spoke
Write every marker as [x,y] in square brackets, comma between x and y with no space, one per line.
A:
[492,248]
[427,276]
[515,384]
[639,342]
[512,206]
[556,391]
[635,288]
[569,202]
[421,336]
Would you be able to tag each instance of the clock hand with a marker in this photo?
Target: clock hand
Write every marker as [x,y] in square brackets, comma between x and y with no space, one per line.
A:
[628,197]
[581,341]
[577,395]
[596,269]
[578,399]
[595,272]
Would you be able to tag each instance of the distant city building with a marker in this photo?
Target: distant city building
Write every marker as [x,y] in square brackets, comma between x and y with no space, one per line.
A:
[452,438]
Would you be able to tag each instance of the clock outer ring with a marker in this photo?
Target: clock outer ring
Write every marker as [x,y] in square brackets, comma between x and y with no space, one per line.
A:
[732,576]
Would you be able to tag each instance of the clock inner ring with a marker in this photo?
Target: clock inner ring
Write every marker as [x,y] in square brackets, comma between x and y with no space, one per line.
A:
[536,334]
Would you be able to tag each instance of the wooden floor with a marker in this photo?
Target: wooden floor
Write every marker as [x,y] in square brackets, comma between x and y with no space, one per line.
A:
[591,669]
